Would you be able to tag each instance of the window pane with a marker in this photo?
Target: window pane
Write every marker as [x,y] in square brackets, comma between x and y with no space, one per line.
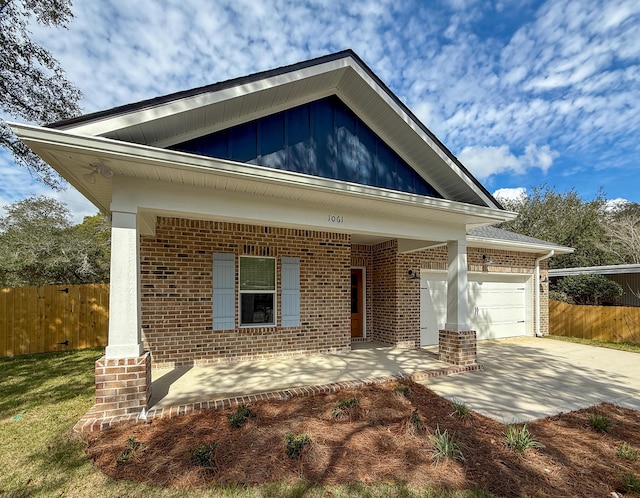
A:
[256,308]
[257,273]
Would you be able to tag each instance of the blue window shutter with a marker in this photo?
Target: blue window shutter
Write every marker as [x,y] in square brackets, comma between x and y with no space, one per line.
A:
[224,291]
[290,292]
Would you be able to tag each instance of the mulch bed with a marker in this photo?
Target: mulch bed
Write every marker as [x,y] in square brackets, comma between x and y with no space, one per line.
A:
[372,443]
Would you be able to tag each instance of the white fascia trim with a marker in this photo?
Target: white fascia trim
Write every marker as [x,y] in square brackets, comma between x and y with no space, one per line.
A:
[190,162]
[113,123]
[483,242]
[418,130]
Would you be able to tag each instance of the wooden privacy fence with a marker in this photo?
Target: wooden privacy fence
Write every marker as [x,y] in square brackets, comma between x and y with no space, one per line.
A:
[602,323]
[53,318]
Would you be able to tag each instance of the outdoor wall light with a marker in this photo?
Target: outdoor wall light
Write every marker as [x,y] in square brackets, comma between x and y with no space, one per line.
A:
[487,260]
[413,275]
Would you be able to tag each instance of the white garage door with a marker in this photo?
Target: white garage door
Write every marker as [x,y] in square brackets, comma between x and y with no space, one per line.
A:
[497,305]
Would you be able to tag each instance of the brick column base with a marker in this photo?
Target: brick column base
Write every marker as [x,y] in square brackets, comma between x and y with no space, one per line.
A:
[123,386]
[458,348]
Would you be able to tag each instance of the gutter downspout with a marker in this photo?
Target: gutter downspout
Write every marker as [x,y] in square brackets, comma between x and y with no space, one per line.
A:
[537,289]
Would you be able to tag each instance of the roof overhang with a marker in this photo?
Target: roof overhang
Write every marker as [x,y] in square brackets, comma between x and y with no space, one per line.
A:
[75,157]
[179,117]
[510,245]
[595,270]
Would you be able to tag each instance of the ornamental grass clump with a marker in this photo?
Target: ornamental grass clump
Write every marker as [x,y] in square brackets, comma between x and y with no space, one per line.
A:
[345,408]
[627,452]
[630,483]
[519,438]
[460,409]
[599,421]
[445,445]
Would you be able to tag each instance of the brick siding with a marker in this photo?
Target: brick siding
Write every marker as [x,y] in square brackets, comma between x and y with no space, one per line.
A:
[176,280]
[123,386]
[458,348]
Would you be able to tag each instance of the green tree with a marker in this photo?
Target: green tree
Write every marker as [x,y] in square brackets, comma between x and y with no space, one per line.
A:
[622,226]
[33,86]
[590,289]
[40,246]
[566,219]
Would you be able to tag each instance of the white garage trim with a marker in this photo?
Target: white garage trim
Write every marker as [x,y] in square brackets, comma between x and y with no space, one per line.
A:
[500,304]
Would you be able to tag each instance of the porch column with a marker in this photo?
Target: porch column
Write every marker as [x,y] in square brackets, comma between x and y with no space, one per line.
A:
[457,287]
[456,343]
[124,299]
[123,375]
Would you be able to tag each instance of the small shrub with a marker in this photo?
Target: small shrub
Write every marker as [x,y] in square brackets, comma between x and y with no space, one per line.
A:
[345,407]
[403,390]
[445,446]
[415,424]
[460,409]
[599,421]
[240,416]
[132,446]
[295,443]
[203,455]
[519,438]
[630,483]
[590,289]
[628,452]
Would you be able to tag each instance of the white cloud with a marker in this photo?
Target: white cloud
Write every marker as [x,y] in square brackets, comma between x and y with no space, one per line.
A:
[510,194]
[484,161]
[615,204]
[567,76]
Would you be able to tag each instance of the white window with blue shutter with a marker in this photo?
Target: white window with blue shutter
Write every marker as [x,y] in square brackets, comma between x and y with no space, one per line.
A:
[224,291]
[290,292]
[257,291]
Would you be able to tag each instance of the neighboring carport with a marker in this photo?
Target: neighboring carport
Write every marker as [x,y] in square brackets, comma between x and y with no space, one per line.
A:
[529,378]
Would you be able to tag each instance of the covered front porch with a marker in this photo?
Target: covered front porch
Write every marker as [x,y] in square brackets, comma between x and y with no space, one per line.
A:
[173,387]
[177,391]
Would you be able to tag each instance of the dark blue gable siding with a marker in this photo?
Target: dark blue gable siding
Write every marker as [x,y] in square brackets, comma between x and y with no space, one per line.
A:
[323,138]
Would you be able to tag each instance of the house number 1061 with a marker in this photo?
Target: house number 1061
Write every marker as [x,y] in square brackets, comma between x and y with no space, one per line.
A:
[332,218]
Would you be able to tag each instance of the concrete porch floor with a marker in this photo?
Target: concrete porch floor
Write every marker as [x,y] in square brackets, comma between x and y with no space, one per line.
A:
[366,360]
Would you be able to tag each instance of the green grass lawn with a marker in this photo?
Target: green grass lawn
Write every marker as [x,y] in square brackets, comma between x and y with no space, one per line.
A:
[622,346]
[43,396]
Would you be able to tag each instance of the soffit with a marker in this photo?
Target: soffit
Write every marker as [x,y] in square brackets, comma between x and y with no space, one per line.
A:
[74,156]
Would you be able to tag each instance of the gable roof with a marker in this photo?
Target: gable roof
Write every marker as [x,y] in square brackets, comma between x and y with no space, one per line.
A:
[180,116]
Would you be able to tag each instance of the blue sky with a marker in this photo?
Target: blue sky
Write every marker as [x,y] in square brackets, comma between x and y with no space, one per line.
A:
[523,92]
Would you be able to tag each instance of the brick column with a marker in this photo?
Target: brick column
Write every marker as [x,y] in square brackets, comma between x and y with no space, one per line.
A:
[123,385]
[458,348]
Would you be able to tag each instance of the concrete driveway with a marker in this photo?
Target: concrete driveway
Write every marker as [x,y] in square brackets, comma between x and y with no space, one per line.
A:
[530,378]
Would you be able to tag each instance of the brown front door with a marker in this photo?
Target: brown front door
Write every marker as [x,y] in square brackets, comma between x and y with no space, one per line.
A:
[356,303]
